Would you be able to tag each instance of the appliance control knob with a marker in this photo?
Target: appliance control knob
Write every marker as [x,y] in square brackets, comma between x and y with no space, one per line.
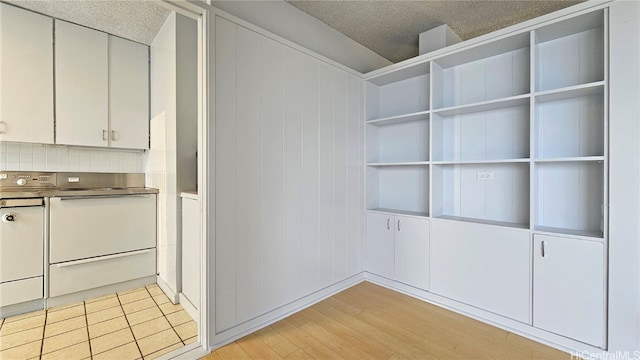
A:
[8,217]
[21,182]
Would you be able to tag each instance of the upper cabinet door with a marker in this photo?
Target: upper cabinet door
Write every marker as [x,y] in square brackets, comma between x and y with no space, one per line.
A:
[81,86]
[26,76]
[128,94]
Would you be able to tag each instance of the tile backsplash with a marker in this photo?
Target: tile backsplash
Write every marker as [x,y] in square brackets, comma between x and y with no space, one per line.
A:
[16,156]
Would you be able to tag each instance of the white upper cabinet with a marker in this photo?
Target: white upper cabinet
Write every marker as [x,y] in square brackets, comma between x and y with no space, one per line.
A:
[128,94]
[102,89]
[82,83]
[26,77]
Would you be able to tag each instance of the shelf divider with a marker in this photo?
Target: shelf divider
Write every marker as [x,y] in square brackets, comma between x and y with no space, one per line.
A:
[483,221]
[583,234]
[408,163]
[400,212]
[397,119]
[512,101]
[571,159]
[570,92]
[473,162]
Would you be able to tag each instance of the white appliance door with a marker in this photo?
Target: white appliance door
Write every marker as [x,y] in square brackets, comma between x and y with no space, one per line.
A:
[21,242]
[84,227]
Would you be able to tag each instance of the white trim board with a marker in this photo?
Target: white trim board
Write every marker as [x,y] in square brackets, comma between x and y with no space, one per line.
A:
[171,294]
[189,307]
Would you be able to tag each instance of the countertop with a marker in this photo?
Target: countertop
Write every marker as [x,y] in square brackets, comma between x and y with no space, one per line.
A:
[75,192]
[192,195]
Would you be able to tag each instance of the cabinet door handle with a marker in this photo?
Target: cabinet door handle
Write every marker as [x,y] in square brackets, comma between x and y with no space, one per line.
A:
[105,135]
[114,135]
[388,224]
[398,225]
[542,252]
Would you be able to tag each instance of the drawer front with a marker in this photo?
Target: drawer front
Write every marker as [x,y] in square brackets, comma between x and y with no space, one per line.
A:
[21,243]
[16,292]
[88,227]
[74,276]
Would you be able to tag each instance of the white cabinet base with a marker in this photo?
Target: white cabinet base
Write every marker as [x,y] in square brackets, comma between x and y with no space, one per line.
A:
[22,308]
[100,291]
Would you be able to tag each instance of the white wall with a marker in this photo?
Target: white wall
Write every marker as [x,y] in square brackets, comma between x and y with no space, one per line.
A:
[288,183]
[285,20]
[170,163]
[39,157]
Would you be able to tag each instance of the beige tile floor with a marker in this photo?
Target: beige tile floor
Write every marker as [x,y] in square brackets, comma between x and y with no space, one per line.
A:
[136,324]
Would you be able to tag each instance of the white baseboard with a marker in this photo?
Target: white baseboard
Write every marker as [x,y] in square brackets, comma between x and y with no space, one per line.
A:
[171,294]
[516,327]
[100,291]
[22,308]
[188,352]
[248,327]
[188,306]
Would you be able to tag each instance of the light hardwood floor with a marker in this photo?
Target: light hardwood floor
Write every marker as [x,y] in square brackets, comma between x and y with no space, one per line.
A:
[369,321]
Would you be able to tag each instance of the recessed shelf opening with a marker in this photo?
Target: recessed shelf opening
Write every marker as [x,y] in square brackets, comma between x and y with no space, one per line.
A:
[398,188]
[570,197]
[497,193]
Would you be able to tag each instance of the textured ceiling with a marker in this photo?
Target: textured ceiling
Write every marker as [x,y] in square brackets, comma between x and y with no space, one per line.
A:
[391,28]
[135,20]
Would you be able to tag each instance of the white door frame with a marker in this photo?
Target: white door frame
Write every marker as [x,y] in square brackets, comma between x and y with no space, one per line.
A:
[199,13]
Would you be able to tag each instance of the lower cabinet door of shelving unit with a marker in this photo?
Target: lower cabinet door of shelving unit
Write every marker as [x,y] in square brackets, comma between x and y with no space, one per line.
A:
[412,251]
[16,292]
[74,276]
[379,246]
[484,266]
[568,288]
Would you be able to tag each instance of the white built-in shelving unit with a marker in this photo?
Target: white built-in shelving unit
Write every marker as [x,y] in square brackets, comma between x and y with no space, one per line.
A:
[510,132]
[502,146]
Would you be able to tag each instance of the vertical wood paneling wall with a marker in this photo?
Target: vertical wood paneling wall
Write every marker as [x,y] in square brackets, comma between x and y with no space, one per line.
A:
[289,190]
